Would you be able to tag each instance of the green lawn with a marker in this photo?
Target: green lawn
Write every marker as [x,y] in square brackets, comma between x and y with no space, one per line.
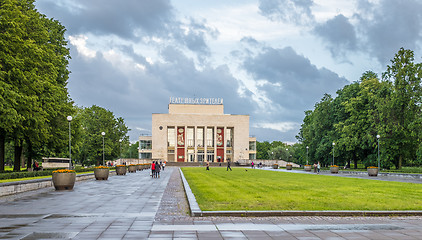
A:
[256,189]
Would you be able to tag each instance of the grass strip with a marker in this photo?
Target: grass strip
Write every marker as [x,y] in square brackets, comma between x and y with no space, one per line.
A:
[32,178]
[218,190]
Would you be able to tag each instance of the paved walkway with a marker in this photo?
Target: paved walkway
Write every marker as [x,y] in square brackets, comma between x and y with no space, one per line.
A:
[138,207]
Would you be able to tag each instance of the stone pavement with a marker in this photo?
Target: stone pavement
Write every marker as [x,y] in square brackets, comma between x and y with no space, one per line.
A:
[138,207]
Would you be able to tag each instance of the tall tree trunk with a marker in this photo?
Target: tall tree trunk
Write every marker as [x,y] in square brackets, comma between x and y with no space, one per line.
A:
[2,149]
[18,154]
[400,161]
[355,161]
[29,160]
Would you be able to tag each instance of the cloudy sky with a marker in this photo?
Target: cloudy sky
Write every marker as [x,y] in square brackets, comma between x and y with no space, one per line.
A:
[271,59]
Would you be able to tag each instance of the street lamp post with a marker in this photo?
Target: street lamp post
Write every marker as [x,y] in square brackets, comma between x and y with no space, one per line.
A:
[103,134]
[272,155]
[120,148]
[307,155]
[333,151]
[379,164]
[69,119]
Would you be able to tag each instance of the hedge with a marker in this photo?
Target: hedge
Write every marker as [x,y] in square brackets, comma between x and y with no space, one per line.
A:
[45,172]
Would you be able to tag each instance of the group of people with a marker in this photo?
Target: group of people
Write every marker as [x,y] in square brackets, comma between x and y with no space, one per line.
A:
[156,168]
[229,165]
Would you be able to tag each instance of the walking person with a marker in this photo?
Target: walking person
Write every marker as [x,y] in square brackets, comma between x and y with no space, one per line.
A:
[208,165]
[252,164]
[153,169]
[318,167]
[164,165]
[157,170]
[228,165]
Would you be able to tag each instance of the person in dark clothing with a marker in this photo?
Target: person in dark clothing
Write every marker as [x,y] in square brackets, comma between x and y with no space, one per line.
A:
[157,169]
[228,165]
[208,165]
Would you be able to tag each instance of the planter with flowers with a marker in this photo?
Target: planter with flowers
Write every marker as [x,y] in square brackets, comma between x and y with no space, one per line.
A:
[64,179]
[101,172]
[372,171]
[289,167]
[275,166]
[308,168]
[334,169]
[132,168]
[139,167]
[121,169]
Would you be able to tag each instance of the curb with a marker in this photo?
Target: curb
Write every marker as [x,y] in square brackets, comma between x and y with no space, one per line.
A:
[197,212]
[193,205]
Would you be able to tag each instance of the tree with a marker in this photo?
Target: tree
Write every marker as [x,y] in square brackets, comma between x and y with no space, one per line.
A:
[262,150]
[33,76]
[358,129]
[93,121]
[317,130]
[401,114]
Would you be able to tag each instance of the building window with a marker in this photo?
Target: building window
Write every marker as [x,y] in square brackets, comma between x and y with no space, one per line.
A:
[191,155]
[190,137]
[210,137]
[210,155]
[200,137]
[170,151]
[201,155]
[252,146]
[252,156]
[145,144]
[229,137]
[171,137]
[145,156]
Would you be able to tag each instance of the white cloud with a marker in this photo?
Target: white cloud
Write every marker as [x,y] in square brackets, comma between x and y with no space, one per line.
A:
[143,129]
[79,41]
[278,126]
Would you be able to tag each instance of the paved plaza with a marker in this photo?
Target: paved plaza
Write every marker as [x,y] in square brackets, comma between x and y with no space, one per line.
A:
[135,206]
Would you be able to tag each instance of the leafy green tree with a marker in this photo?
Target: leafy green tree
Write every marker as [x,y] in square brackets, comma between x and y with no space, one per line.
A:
[33,75]
[131,151]
[262,150]
[357,132]
[401,114]
[93,121]
[317,130]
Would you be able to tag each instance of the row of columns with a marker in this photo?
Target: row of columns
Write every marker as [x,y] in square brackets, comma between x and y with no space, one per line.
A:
[205,141]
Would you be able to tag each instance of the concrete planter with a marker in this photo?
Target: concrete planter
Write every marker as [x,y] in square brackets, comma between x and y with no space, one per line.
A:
[121,170]
[308,168]
[101,173]
[334,169]
[372,172]
[275,166]
[289,167]
[132,168]
[64,181]
[139,167]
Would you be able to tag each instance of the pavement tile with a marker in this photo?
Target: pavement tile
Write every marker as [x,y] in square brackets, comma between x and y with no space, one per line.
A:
[232,234]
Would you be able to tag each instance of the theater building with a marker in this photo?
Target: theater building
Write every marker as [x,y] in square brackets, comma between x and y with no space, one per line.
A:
[196,130]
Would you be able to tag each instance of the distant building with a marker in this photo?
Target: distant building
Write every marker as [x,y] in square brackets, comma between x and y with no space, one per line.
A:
[196,130]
